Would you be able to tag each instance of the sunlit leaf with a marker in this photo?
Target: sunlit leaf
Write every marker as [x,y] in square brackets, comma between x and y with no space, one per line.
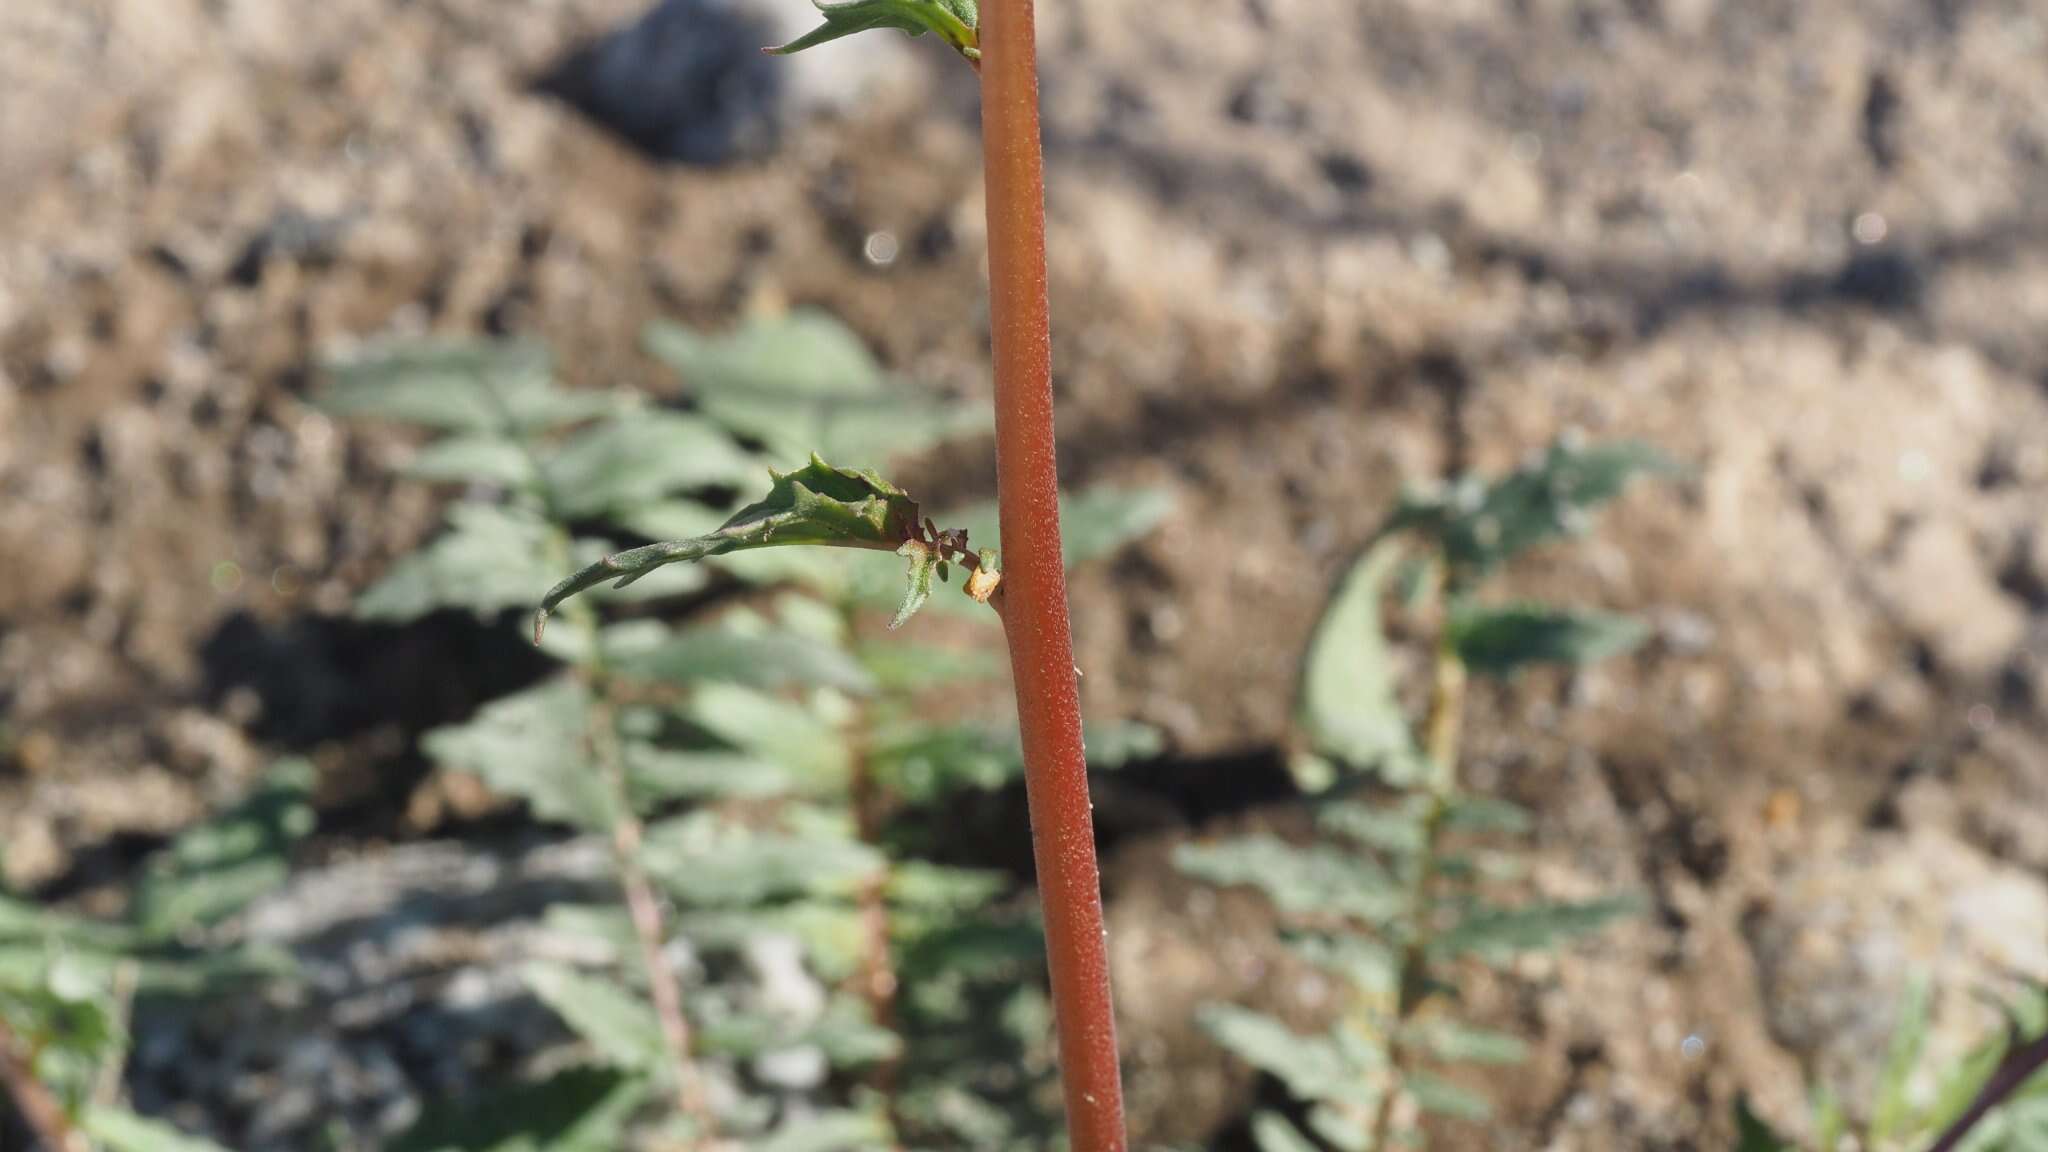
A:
[775,659]
[474,458]
[491,558]
[496,387]
[953,20]
[1497,640]
[657,775]
[707,861]
[1456,1043]
[1348,705]
[1314,879]
[1312,1067]
[532,746]
[817,504]
[1395,829]
[1273,1132]
[618,1024]
[640,459]
[1440,1097]
[804,351]
[810,748]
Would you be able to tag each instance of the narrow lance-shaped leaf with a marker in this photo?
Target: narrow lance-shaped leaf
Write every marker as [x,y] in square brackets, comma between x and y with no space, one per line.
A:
[924,561]
[816,504]
[1348,706]
[1498,640]
[955,22]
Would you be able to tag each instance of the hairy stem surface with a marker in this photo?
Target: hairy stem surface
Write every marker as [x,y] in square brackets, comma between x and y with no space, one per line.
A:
[1034,580]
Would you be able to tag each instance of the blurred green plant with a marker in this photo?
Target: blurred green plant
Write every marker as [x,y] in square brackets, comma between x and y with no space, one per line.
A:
[766,768]
[1404,878]
[1995,1099]
[68,983]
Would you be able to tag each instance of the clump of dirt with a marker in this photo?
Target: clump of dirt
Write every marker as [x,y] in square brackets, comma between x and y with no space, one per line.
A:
[1304,250]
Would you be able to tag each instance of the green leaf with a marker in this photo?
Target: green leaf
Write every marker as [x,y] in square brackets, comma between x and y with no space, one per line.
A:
[955,22]
[1498,640]
[1367,964]
[499,387]
[817,504]
[657,775]
[1348,706]
[707,861]
[762,659]
[640,459]
[1753,1135]
[214,869]
[619,1025]
[804,352]
[1319,879]
[1343,1129]
[1441,1097]
[810,748]
[844,1032]
[1312,1067]
[923,886]
[118,1130]
[1481,526]
[828,1132]
[1094,522]
[531,745]
[578,1110]
[491,558]
[1473,813]
[1394,829]
[1456,1043]
[834,935]
[1892,1110]
[1508,931]
[474,458]
[802,383]
[1273,1132]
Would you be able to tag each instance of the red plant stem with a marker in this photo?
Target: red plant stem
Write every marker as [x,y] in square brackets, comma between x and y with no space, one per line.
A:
[1034,586]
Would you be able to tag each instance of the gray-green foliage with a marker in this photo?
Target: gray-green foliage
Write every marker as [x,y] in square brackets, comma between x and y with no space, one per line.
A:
[67,982]
[1400,880]
[1895,1117]
[774,761]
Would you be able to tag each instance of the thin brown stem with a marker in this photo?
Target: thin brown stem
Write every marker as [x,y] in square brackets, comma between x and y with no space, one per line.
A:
[2014,1070]
[1034,588]
[33,1100]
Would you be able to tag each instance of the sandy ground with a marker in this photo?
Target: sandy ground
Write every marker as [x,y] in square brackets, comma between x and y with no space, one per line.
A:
[1303,249]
